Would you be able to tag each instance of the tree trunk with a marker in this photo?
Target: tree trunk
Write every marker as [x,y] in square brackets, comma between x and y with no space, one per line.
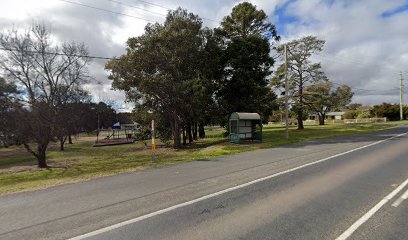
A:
[70,139]
[41,157]
[321,119]
[42,163]
[190,136]
[195,131]
[300,107]
[62,142]
[175,127]
[201,131]
[184,136]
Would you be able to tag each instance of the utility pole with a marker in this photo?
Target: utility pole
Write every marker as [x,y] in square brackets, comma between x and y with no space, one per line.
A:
[286,94]
[401,97]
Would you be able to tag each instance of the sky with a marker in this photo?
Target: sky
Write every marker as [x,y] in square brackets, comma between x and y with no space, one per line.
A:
[366,40]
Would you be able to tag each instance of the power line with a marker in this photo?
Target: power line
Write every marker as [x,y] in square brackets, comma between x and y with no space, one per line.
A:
[131,6]
[106,10]
[124,14]
[167,8]
[365,90]
[356,64]
[111,58]
[89,56]
[59,54]
[155,4]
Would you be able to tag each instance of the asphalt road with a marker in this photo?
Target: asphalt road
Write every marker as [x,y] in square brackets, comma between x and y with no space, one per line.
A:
[313,190]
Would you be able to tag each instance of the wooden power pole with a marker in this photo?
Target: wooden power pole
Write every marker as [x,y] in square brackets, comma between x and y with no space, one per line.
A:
[286,94]
[401,98]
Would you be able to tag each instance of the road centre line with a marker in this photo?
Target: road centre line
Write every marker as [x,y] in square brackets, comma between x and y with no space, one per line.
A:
[171,208]
[400,199]
[346,234]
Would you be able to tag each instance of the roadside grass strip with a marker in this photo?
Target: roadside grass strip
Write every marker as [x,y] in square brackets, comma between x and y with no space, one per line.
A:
[174,207]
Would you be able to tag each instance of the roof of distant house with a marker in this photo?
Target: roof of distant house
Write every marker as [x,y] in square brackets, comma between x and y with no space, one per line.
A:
[335,113]
[331,114]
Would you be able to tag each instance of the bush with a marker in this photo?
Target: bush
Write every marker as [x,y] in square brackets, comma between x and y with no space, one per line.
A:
[351,114]
[364,114]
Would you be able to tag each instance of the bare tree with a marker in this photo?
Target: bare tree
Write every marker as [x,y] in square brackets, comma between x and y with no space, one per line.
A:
[49,74]
[302,70]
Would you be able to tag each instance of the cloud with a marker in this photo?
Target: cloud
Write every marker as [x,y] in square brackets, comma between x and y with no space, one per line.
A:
[366,43]
[363,49]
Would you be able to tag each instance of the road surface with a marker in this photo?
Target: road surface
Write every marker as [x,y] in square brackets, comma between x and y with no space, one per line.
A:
[350,187]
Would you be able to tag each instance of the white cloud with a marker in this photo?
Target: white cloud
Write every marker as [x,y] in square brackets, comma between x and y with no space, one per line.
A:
[362,49]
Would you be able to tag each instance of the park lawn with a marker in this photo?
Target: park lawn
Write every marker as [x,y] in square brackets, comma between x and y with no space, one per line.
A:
[80,161]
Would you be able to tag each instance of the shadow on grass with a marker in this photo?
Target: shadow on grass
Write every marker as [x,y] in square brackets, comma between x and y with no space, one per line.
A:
[201,144]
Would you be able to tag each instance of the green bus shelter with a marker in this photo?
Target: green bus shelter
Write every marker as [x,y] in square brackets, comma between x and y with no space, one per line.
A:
[245,126]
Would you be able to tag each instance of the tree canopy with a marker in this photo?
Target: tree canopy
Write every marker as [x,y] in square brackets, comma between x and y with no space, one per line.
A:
[244,86]
[321,98]
[301,70]
[163,70]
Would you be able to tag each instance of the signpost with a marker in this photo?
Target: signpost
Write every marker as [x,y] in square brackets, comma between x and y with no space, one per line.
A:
[153,143]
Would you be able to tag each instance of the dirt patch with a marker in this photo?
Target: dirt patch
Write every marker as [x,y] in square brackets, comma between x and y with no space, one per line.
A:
[17,169]
[60,163]
[12,152]
[210,149]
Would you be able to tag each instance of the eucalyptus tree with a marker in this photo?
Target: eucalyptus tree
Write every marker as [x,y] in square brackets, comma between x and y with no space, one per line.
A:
[322,98]
[162,70]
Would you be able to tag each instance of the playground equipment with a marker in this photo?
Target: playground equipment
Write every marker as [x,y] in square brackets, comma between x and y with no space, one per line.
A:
[118,134]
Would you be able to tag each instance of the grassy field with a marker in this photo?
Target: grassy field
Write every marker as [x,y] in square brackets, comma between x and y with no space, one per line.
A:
[80,161]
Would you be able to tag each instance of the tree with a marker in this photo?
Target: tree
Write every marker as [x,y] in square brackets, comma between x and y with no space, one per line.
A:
[302,72]
[47,74]
[245,20]
[244,86]
[10,110]
[354,106]
[161,67]
[390,111]
[321,98]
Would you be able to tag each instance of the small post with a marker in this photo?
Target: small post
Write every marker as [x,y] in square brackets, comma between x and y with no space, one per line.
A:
[153,143]
[401,97]
[286,94]
[98,130]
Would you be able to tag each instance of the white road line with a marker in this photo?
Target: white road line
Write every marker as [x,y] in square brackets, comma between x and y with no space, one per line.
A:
[400,199]
[371,212]
[134,220]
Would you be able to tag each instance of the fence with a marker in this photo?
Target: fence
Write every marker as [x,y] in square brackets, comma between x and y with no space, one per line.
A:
[365,120]
[346,121]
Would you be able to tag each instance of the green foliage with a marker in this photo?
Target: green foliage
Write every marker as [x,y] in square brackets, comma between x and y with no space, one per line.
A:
[301,70]
[10,111]
[163,70]
[244,85]
[390,111]
[321,98]
[364,114]
[354,106]
[81,161]
[351,114]
[189,76]
[246,20]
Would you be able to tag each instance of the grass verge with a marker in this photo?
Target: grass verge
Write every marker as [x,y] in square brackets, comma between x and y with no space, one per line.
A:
[81,161]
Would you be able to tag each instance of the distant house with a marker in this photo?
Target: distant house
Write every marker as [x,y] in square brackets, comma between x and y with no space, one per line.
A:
[329,116]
